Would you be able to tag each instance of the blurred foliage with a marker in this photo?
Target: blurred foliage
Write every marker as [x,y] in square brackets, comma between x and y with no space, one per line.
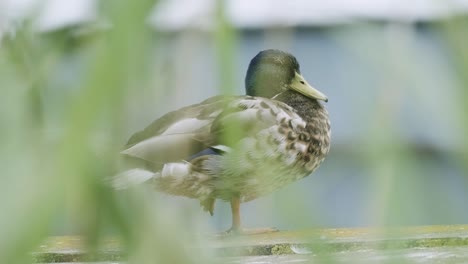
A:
[455,32]
[59,142]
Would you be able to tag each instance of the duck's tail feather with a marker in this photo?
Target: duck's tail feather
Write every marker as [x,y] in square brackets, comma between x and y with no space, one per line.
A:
[131,177]
[171,176]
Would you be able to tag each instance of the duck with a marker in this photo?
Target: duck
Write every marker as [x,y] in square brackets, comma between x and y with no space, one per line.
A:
[235,148]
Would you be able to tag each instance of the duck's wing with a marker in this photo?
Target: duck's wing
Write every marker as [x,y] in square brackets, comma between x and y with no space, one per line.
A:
[217,123]
[183,120]
[178,134]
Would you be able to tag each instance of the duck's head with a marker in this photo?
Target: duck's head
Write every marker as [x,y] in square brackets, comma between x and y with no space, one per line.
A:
[273,72]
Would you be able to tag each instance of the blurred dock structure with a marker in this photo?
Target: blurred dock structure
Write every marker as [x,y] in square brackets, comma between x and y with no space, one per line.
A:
[422,244]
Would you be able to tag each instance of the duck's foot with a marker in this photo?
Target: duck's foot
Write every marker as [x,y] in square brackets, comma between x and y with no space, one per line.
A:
[236,228]
[247,231]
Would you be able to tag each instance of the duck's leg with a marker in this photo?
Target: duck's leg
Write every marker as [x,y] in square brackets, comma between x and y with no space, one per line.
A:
[235,211]
[236,227]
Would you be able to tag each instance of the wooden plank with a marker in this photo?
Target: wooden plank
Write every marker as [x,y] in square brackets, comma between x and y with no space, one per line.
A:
[304,242]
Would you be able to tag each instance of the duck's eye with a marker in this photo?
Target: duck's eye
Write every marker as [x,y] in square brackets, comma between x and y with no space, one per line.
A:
[302,82]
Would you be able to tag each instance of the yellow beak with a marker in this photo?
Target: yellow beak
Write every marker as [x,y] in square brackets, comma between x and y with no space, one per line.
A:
[299,84]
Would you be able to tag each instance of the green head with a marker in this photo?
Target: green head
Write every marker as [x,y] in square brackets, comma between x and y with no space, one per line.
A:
[273,72]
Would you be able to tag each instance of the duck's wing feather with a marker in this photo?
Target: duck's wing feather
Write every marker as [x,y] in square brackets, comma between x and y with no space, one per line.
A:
[218,122]
[184,120]
[176,135]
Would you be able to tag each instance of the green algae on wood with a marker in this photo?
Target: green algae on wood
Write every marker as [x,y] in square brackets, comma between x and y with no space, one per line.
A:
[72,249]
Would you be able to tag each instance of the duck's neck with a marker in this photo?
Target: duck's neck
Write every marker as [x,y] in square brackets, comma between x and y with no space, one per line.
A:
[306,107]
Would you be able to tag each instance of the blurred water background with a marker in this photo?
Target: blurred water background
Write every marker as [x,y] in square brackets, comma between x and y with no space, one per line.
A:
[79,77]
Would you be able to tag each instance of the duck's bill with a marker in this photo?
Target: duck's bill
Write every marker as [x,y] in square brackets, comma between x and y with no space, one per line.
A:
[299,84]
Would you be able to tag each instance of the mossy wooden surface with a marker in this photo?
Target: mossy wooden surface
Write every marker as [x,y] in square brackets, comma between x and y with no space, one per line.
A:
[341,241]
